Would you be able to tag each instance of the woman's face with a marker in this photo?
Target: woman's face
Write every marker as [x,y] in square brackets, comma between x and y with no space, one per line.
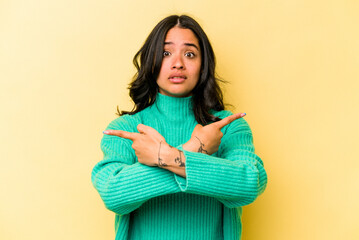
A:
[181,64]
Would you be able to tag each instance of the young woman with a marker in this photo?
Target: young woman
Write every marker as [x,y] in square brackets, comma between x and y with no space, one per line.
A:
[178,166]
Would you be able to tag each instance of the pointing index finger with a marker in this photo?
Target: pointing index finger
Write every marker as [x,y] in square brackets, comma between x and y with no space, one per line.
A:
[122,134]
[227,120]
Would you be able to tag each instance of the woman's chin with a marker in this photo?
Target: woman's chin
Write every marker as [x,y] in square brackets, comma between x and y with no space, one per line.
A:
[178,94]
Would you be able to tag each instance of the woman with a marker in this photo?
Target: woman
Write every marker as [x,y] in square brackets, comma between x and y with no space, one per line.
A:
[178,166]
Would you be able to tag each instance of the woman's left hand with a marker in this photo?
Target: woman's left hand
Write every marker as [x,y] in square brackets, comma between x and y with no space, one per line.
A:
[147,143]
[206,139]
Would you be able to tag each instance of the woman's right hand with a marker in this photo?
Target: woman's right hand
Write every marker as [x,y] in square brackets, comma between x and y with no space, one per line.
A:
[208,138]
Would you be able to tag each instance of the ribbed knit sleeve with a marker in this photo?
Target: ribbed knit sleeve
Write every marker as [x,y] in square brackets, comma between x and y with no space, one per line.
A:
[122,182]
[234,175]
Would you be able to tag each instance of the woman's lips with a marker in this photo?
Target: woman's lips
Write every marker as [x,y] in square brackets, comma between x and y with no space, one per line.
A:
[177,79]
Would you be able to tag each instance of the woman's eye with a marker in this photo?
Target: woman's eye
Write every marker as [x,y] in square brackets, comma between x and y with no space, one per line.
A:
[166,53]
[190,54]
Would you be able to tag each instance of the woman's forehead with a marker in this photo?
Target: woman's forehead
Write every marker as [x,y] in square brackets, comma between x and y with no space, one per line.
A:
[181,36]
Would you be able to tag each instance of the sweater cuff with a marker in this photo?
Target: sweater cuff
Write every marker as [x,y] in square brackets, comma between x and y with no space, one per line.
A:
[210,175]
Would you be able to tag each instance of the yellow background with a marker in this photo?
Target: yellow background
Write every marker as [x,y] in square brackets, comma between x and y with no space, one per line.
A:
[293,67]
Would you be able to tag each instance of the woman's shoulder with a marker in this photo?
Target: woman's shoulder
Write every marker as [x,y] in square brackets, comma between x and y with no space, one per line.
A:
[221,114]
[125,122]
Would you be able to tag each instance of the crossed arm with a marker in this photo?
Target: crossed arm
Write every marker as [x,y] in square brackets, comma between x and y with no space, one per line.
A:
[236,178]
[152,149]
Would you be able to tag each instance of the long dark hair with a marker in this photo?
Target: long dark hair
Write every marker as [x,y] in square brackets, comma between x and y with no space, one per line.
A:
[207,94]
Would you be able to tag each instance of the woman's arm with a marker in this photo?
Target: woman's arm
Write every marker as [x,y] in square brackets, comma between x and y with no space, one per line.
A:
[234,175]
[123,183]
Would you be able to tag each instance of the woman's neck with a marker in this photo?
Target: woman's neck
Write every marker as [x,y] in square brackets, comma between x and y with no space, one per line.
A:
[174,107]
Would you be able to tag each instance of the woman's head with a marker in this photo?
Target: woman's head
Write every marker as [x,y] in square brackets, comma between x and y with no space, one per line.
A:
[181,63]
[152,65]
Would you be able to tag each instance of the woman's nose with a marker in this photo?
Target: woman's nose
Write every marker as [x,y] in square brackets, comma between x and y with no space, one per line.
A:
[178,62]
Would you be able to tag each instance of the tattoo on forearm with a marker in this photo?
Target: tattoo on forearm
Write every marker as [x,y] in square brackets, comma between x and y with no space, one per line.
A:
[179,159]
[201,148]
[160,160]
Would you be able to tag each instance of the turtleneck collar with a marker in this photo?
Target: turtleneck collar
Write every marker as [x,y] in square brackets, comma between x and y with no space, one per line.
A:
[173,107]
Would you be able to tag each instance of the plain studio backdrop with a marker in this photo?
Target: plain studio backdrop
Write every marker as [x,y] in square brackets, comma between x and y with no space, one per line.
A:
[292,66]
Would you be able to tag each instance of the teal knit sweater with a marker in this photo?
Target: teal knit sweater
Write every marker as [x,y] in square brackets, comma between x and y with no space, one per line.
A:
[154,203]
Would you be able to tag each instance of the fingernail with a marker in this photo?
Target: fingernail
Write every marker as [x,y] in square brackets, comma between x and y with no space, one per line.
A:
[243,114]
[105,132]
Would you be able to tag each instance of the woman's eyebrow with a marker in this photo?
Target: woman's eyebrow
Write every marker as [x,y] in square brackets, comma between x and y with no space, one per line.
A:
[192,44]
[186,44]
